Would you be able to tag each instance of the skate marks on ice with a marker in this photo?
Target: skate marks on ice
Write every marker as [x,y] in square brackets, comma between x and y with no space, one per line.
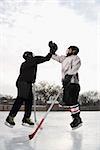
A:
[9,143]
[44,140]
[12,145]
[56,135]
[10,139]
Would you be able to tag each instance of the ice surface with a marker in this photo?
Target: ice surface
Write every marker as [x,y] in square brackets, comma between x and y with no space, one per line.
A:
[55,135]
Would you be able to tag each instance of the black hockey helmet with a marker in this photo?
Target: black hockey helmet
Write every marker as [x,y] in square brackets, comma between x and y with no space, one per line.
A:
[27,54]
[74,49]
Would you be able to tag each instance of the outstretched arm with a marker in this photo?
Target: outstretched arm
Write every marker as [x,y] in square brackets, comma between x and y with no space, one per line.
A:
[53,48]
[41,59]
[58,58]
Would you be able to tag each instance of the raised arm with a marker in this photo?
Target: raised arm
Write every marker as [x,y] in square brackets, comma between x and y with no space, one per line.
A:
[41,59]
[53,48]
[58,58]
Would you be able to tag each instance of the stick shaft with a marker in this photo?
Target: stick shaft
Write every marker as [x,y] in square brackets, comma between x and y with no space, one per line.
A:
[39,125]
[52,103]
[35,118]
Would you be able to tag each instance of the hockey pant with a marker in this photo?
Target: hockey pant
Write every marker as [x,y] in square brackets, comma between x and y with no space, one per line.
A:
[24,96]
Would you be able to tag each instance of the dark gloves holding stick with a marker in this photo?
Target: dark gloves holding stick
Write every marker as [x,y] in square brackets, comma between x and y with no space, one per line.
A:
[53,47]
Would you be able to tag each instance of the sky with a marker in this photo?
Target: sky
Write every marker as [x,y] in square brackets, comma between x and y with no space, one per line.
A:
[28,25]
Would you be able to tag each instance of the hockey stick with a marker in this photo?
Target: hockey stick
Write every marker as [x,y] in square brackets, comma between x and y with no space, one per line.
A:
[34,98]
[33,89]
[42,120]
[31,136]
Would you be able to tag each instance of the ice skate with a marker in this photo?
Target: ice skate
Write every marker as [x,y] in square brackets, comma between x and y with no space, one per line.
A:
[10,122]
[76,123]
[27,122]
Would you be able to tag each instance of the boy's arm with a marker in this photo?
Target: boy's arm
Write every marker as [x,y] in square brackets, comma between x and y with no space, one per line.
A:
[41,59]
[58,58]
[53,48]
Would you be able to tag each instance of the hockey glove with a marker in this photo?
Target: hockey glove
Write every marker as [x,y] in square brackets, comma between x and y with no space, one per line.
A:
[66,80]
[53,47]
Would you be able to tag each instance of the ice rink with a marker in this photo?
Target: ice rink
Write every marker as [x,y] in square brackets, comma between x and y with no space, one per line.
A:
[56,133]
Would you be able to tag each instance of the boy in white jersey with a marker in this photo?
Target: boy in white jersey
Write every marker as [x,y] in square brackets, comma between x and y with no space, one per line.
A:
[70,81]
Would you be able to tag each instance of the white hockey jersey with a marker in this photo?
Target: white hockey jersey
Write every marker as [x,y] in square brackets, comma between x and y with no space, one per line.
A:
[70,65]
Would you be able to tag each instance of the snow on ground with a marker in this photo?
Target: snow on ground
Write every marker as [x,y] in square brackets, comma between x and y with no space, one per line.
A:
[56,133]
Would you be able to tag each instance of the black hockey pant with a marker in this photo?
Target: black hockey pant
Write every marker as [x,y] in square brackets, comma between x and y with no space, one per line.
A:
[24,95]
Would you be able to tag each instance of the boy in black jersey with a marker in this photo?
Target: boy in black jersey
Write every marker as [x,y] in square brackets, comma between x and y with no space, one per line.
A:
[24,82]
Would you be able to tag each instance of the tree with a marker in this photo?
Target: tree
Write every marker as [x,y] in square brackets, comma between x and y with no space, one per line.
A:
[89,98]
[45,91]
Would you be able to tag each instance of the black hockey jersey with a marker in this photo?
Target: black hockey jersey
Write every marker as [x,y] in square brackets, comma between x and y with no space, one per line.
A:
[28,68]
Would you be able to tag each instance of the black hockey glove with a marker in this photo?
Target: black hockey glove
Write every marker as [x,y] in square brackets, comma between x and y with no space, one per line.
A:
[53,47]
[66,80]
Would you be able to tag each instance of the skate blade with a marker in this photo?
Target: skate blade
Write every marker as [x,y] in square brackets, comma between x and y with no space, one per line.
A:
[9,125]
[27,125]
[77,126]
